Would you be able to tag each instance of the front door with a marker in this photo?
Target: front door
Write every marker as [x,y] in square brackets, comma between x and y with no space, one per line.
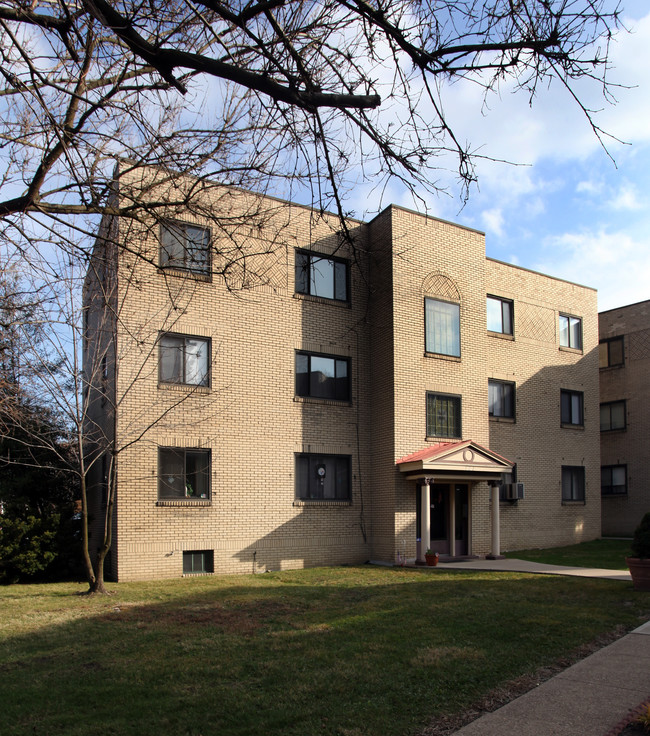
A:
[440,518]
[461,502]
[449,510]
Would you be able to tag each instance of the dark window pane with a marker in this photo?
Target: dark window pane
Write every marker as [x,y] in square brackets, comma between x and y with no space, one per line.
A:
[183,473]
[342,383]
[323,477]
[341,281]
[302,375]
[302,273]
[573,483]
[321,276]
[501,399]
[443,416]
[322,378]
[565,400]
[507,317]
[616,352]
[185,246]
[198,561]
[172,474]
[618,415]
[612,416]
[171,359]
[196,474]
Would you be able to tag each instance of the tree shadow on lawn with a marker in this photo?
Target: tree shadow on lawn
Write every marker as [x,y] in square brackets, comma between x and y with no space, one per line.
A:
[350,652]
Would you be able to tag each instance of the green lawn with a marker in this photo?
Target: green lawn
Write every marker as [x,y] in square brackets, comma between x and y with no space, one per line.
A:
[333,651]
[607,554]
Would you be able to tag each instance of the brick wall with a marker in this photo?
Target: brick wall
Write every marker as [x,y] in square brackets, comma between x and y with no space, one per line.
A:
[629,446]
[253,424]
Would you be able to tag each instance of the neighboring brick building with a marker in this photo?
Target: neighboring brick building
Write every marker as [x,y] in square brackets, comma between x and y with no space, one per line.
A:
[338,400]
[624,417]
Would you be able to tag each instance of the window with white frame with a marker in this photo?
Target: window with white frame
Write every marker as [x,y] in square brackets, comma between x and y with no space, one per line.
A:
[322,376]
[501,397]
[184,359]
[443,416]
[572,408]
[573,483]
[185,246]
[499,315]
[183,473]
[323,477]
[613,480]
[613,415]
[570,332]
[442,327]
[323,276]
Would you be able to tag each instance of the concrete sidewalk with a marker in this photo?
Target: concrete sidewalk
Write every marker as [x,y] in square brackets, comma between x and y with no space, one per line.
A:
[512,565]
[592,698]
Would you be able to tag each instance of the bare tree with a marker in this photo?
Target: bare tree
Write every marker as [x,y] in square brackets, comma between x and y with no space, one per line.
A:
[68,336]
[285,97]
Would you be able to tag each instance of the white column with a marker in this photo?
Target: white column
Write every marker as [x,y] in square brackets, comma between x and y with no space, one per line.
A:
[451,535]
[496,524]
[425,519]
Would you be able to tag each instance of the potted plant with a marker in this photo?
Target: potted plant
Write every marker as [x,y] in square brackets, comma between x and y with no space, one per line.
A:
[640,564]
[431,557]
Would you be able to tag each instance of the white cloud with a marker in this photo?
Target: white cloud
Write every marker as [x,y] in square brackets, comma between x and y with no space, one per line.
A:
[493,221]
[590,186]
[626,198]
[614,262]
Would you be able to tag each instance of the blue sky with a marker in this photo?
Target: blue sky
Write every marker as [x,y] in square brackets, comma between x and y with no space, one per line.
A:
[567,210]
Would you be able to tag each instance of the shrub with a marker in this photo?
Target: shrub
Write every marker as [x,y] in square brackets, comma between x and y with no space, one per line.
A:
[641,541]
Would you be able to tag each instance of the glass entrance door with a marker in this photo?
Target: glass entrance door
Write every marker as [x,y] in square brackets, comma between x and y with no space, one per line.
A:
[440,518]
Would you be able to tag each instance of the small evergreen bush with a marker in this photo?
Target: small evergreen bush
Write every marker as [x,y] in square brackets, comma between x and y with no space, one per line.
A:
[641,540]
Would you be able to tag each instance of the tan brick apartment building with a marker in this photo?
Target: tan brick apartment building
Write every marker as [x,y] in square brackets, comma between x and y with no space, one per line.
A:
[624,417]
[342,399]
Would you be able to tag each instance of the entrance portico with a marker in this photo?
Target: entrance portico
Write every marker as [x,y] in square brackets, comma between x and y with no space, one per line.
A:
[446,474]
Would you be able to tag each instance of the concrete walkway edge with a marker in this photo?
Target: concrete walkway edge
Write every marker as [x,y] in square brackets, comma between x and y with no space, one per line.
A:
[593,697]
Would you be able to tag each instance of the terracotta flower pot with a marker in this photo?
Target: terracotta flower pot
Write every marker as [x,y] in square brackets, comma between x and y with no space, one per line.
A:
[432,560]
[640,572]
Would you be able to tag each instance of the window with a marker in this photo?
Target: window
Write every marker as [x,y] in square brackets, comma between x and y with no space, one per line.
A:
[183,473]
[610,352]
[185,246]
[197,561]
[573,483]
[612,416]
[323,477]
[322,376]
[443,416]
[572,407]
[499,315]
[323,276]
[613,480]
[501,396]
[185,360]
[570,332]
[442,327]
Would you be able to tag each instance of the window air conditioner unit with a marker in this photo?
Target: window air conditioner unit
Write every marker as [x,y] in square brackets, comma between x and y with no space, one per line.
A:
[512,491]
